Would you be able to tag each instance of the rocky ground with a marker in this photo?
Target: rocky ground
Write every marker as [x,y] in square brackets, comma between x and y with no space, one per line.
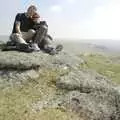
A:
[38,86]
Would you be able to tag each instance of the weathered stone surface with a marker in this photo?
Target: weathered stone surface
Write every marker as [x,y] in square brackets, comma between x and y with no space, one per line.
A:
[95,105]
[16,67]
[91,95]
[84,81]
[87,93]
[13,60]
[19,61]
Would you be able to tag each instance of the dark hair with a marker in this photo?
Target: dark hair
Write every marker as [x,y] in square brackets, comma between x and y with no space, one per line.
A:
[32,7]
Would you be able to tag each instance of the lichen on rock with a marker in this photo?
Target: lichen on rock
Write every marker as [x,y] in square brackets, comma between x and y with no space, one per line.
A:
[55,83]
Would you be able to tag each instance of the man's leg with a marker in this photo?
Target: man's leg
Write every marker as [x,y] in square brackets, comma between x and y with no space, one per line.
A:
[45,43]
[27,36]
[21,41]
[48,46]
[17,38]
[24,38]
[17,43]
[40,34]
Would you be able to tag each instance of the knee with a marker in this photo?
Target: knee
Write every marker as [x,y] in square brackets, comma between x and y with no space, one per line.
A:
[14,36]
[32,32]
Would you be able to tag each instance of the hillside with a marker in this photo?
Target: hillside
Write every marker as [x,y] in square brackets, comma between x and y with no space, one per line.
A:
[38,86]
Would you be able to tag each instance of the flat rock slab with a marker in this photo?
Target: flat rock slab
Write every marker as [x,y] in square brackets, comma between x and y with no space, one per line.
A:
[13,60]
[19,61]
[17,67]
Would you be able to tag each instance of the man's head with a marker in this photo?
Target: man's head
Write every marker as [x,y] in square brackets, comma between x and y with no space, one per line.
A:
[31,10]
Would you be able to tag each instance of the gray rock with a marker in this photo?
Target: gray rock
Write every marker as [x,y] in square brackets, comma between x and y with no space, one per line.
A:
[18,67]
[13,60]
[94,106]
[90,95]
[85,92]
[84,81]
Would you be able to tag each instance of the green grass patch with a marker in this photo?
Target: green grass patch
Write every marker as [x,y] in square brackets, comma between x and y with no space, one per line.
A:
[15,103]
[2,46]
[103,65]
[52,114]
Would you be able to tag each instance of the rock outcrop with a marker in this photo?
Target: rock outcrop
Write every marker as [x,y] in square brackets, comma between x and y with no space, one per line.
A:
[88,94]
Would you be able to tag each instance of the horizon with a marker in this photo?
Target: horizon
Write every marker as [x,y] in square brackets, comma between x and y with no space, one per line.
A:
[77,39]
[81,44]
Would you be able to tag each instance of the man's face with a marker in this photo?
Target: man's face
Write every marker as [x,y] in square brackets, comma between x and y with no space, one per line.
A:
[31,13]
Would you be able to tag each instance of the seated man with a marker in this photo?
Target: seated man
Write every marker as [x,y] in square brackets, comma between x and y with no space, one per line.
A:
[23,30]
[30,34]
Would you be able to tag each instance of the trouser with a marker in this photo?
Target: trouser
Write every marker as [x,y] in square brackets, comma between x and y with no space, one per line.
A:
[42,38]
[45,43]
[23,38]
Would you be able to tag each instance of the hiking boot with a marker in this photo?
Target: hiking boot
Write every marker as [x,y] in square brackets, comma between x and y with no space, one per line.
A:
[10,43]
[35,47]
[24,48]
[56,50]
[53,52]
[59,48]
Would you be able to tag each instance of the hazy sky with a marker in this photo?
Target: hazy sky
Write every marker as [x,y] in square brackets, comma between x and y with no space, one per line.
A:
[69,18]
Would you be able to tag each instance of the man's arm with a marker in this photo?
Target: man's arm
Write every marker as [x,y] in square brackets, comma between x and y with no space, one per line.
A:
[17,27]
[17,23]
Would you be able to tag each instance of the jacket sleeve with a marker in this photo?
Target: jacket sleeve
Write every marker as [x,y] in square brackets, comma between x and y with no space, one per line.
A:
[18,18]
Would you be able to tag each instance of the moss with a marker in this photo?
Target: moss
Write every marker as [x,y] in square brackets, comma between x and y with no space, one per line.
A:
[53,114]
[15,103]
[2,46]
[103,65]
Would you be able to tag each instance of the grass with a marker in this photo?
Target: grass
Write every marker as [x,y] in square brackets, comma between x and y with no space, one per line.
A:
[3,45]
[15,103]
[52,114]
[103,65]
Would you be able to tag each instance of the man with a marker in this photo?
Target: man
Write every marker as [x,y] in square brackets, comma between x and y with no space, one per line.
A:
[23,31]
[30,33]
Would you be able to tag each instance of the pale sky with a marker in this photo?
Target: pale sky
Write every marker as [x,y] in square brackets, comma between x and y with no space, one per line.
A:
[81,19]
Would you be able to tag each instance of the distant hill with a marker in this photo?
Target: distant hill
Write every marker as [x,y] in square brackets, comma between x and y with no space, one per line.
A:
[84,45]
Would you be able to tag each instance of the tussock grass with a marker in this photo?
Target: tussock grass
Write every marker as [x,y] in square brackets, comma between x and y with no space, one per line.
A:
[103,65]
